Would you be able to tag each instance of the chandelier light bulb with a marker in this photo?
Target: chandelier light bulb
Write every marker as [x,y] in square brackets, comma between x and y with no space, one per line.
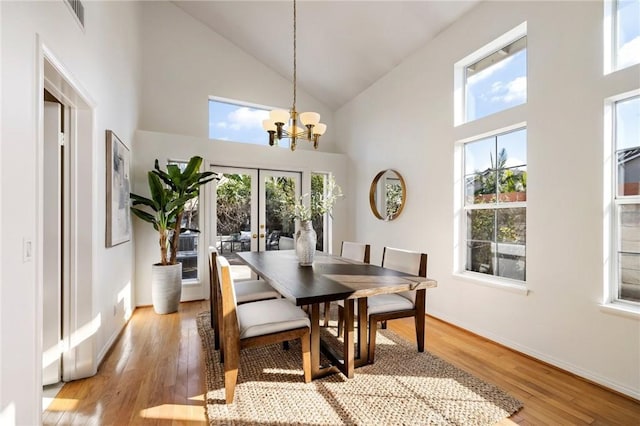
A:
[309,118]
[319,129]
[279,116]
[269,125]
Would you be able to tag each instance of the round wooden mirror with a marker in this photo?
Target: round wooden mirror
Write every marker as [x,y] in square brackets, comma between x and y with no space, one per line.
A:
[387,195]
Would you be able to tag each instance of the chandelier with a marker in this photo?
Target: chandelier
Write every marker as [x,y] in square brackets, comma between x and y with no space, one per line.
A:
[309,127]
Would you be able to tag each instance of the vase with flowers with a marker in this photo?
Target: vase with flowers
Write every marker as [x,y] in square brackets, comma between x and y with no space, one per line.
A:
[320,203]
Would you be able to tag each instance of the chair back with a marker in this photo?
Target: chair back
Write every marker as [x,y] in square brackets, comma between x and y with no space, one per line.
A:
[356,251]
[213,284]
[230,328]
[411,262]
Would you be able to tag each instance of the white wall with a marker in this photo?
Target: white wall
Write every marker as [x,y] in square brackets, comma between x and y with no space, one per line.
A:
[103,60]
[152,145]
[405,122]
[185,62]
[4,409]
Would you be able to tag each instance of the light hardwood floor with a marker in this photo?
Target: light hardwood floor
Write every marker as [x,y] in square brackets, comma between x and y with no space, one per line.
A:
[153,375]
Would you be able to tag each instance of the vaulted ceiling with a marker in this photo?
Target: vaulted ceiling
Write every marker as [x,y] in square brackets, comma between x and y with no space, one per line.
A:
[342,46]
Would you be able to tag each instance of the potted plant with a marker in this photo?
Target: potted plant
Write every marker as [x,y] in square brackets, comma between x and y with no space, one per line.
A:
[170,192]
[320,203]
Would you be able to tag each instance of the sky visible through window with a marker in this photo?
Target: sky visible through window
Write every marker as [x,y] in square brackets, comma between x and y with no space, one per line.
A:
[628,33]
[482,154]
[237,123]
[628,123]
[498,87]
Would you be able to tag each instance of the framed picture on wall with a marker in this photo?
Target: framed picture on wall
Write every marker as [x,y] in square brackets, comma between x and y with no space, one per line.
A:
[118,189]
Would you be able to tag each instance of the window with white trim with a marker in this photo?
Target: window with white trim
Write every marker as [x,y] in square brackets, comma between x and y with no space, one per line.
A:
[622,32]
[189,239]
[237,121]
[626,235]
[495,205]
[493,78]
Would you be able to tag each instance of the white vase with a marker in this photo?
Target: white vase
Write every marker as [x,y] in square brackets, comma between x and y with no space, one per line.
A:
[306,243]
[166,287]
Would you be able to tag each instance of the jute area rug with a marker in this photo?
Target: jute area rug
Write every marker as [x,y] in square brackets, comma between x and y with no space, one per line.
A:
[402,387]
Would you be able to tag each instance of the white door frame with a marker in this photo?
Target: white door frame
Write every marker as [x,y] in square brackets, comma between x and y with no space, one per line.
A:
[78,345]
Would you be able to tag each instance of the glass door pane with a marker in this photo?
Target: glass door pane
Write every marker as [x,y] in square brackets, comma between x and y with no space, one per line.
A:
[278,193]
[234,215]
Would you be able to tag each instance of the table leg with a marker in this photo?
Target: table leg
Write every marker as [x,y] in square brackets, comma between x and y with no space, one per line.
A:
[315,340]
[349,350]
[420,317]
[318,371]
[363,344]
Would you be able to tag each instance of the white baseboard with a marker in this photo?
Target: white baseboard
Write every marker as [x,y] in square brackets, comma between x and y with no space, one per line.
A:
[111,341]
[563,365]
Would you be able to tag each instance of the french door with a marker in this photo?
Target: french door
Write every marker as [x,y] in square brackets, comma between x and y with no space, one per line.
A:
[252,210]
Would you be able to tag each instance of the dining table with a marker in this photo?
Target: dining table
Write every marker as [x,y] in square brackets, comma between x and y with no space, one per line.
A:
[332,278]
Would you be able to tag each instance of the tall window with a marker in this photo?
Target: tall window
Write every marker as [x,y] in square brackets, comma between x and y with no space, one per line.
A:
[495,179]
[626,33]
[627,199]
[237,122]
[190,236]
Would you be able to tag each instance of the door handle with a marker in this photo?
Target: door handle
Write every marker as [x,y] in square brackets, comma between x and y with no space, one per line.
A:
[261,235]
[254,236]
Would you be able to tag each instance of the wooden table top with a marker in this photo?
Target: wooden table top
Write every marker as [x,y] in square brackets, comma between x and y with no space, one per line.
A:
[330,278]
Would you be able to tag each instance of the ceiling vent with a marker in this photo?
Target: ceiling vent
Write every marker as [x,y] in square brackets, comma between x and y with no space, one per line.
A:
[78,10]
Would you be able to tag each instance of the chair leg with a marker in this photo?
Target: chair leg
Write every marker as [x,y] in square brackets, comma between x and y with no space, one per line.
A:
[306,356]
[231,374]
[373,328]
[384,325]
[327,306]
[420,322]
[340,320]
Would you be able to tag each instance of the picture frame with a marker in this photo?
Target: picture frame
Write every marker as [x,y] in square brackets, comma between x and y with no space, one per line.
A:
[118,217]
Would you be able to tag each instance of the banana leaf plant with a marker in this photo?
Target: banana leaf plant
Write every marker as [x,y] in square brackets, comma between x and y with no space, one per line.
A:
[170,192]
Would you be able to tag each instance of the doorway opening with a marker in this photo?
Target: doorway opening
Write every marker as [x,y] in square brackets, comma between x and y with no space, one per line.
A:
[65,189]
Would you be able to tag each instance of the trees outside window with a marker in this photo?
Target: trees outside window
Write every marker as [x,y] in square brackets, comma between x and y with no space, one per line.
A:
[495,179]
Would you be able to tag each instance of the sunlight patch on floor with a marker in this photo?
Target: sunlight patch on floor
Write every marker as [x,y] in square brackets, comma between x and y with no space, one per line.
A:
[175,412]
[49,393]
[60,404]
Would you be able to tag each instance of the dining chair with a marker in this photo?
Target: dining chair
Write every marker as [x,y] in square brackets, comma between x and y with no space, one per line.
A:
[245,291]
[257,324]
[383,307]
[354,251]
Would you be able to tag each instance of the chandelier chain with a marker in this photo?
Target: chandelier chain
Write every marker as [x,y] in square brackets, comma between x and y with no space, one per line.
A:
[291,125]
[294,54]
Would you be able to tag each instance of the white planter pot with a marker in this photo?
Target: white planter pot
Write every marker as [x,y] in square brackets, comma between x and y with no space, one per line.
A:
[166,287]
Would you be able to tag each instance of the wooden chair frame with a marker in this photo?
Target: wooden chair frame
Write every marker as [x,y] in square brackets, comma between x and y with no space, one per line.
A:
[214,301]
[367,259]
[232,344]
[418,306]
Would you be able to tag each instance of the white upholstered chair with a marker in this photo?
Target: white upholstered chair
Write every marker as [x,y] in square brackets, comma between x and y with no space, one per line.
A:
[384,307]
[355,251]
[245,291]
[257,324]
